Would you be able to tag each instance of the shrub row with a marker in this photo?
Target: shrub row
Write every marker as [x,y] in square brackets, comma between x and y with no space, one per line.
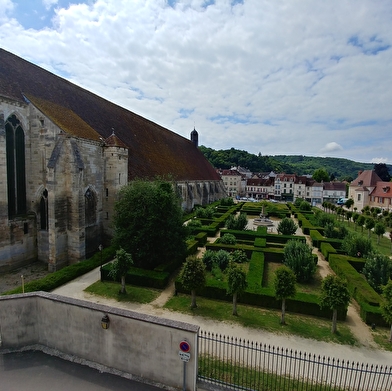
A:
[67,274]
[367,298]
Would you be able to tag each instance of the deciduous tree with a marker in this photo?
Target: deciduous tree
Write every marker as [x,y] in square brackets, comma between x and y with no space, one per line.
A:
[377,270]
[120,267]
[356,245]
[287,226]
[148,223]
[236,283]
[386,306]
[284,284]
[379,230]
[335,296]
[369,224]
[321,175]
[193,276]
[299,258]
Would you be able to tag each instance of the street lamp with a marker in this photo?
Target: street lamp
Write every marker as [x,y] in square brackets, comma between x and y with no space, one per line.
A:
[100,248]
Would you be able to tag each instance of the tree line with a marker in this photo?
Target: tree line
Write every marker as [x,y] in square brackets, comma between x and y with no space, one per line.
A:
[337,168]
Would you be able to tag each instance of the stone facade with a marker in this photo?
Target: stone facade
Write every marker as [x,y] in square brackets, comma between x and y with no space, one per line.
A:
[61,169]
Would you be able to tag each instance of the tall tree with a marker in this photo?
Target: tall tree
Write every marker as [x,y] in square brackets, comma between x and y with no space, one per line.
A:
[369,224]
[335,296]
[382,171]
[361,221]
[148,223]
[236,283]
[120,267]
[386,306]
[379,230]
[193,276]
[284,284]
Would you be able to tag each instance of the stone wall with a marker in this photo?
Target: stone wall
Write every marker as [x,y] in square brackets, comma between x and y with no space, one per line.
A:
[144,346]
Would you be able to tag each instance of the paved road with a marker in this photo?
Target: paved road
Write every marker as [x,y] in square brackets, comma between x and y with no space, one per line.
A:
[37,371]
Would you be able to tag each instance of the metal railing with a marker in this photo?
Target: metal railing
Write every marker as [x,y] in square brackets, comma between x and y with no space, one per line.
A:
[237,364]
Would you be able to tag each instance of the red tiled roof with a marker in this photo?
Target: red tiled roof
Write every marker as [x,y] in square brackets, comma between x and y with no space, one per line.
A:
[366,178]
[382,189]
[153,149]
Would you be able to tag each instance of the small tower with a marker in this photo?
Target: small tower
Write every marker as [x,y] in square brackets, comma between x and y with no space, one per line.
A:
[195,137]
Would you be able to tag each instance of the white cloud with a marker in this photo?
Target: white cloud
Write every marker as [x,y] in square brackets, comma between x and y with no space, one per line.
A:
[49,3]
[377,160]
[272,77]
[331,147]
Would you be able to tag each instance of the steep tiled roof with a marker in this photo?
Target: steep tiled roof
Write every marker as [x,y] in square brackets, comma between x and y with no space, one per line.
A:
[64,118]
[366,178]
[382,189]
[114,141]
[337,186]
[153,149]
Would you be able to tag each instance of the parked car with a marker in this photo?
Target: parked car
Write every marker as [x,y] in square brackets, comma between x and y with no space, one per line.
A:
[341,201]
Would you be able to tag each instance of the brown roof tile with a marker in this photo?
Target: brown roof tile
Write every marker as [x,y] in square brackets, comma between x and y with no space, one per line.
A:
[153,149]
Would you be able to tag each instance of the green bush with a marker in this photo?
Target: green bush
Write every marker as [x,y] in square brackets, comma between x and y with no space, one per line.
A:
[228,238]
[67,274]
[299,258]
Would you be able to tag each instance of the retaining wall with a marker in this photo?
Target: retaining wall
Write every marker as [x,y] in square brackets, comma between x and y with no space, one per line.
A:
[146,347]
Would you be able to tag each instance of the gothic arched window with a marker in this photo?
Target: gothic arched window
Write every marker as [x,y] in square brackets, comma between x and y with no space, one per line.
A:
[16,171]
[43,209]
[90,207]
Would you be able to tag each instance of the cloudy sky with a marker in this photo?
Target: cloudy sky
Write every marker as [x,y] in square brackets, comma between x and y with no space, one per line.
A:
[292,77]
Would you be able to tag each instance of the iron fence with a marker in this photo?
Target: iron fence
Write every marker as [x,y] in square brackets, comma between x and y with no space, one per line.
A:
[238,364]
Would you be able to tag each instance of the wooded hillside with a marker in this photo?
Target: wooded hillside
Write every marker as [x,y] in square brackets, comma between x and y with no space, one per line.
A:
[338,168]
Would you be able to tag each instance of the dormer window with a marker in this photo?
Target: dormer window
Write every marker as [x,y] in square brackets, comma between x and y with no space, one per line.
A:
[360,183]
[385,189]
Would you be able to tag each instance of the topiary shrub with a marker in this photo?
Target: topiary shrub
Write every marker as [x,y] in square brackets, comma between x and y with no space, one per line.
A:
[287,227]
[228,239]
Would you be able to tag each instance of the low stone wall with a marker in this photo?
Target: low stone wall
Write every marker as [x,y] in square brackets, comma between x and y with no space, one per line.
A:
[145,347]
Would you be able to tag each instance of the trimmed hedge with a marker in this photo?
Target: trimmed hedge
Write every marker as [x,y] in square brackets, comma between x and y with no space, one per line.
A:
[368,299]
[67,274]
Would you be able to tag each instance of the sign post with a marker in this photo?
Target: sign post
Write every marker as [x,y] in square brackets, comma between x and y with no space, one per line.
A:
[185,356]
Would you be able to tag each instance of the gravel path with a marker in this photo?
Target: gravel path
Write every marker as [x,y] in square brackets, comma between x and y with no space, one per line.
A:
[343,352]
[368,353]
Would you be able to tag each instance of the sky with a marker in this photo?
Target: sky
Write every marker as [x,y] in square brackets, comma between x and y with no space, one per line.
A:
[271,77]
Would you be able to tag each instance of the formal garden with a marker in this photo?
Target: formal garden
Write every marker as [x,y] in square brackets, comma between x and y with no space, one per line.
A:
[227,263]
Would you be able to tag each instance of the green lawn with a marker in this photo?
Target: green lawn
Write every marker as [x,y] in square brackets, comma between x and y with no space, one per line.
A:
[313,286]
[134,293]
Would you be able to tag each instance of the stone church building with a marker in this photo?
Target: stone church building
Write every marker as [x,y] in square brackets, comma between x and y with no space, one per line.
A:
[65,153]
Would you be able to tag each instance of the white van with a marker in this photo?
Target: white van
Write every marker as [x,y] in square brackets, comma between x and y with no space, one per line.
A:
[341,201]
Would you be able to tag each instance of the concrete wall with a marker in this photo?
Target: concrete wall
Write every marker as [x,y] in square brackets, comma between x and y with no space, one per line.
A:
[144,346]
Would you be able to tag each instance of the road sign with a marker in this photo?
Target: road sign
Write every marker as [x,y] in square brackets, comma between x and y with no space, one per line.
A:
[184,356]
[185,346]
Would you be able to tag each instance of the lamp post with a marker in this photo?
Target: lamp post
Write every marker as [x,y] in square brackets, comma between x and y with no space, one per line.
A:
[100,247]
